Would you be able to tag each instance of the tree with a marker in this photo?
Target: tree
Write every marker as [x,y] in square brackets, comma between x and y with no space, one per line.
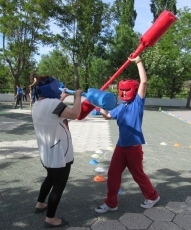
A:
[125,40]
[84,31]
[157,6]
[5,83]
[187,87]
[98,72]
[124,12]
[23,25]
[184,42]
[164,68]
[170,59]
[57,65]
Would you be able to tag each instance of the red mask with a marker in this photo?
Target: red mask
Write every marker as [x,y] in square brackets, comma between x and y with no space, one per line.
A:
[127,89]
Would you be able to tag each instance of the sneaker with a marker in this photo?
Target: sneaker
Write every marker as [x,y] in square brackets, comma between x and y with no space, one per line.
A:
[149,203]
[104,208]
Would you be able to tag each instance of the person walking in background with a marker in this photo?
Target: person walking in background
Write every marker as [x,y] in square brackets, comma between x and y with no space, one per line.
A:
[128,151]
[32,87]
[24,93]
[18,97]
[54,141]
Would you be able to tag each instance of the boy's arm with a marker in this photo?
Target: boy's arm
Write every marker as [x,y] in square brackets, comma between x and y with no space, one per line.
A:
[34,83]
[105,114]
[72,112]
[143,76]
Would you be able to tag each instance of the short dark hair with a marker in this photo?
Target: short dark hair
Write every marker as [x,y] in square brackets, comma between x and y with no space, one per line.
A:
[32,76]
[43,78]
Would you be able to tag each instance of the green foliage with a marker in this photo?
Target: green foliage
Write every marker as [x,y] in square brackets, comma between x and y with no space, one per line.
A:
[95,41]
[157,6]
[23,25]
[155,87]
[57,65]
[124,43]
[98,72]
[83,32]
[169,59]
[124,13]
[125,40]
[6,82]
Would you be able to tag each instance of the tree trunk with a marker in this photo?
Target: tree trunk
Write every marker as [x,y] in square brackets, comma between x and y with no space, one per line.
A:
[16,82]
[76,81]
[188,99]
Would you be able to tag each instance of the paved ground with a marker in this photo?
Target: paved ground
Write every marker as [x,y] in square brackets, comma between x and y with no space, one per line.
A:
[167,161]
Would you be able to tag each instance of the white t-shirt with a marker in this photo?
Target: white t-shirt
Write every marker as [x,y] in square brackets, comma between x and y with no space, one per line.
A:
[53,136]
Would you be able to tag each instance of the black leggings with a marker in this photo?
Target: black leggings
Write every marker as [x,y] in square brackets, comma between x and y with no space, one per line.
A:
[56,180]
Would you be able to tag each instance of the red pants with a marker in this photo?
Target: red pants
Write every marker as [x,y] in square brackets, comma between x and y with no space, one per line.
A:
[132,158]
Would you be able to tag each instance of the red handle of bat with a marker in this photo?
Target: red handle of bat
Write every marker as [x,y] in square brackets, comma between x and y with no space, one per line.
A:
[149,38]
[124,66]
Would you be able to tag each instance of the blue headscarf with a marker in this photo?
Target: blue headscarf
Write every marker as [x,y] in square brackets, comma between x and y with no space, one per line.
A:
[49,88]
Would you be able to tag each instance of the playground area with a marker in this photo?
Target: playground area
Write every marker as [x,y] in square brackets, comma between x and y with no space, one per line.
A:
[167,160]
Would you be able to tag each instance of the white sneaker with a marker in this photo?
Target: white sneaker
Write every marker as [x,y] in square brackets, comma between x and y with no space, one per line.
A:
[104,208]
[149,203]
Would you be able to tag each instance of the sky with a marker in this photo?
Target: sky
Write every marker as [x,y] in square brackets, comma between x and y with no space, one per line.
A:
[142,23]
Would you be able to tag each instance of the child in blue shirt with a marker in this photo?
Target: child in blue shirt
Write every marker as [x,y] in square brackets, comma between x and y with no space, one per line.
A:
[18,97]
[128,151]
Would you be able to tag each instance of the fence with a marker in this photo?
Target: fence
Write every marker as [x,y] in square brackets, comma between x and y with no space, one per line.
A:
[6,90]
[149,101]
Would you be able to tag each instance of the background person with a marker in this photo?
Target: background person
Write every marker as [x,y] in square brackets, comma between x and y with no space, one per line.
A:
[54,141]
[33,88]
[18,97]
[24,93]
[128,151]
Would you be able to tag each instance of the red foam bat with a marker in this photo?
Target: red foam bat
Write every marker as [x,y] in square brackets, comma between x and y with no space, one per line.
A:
[148,39]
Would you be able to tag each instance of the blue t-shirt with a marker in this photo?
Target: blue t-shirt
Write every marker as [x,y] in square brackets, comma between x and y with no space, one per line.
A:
[129,119]
[19,92]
